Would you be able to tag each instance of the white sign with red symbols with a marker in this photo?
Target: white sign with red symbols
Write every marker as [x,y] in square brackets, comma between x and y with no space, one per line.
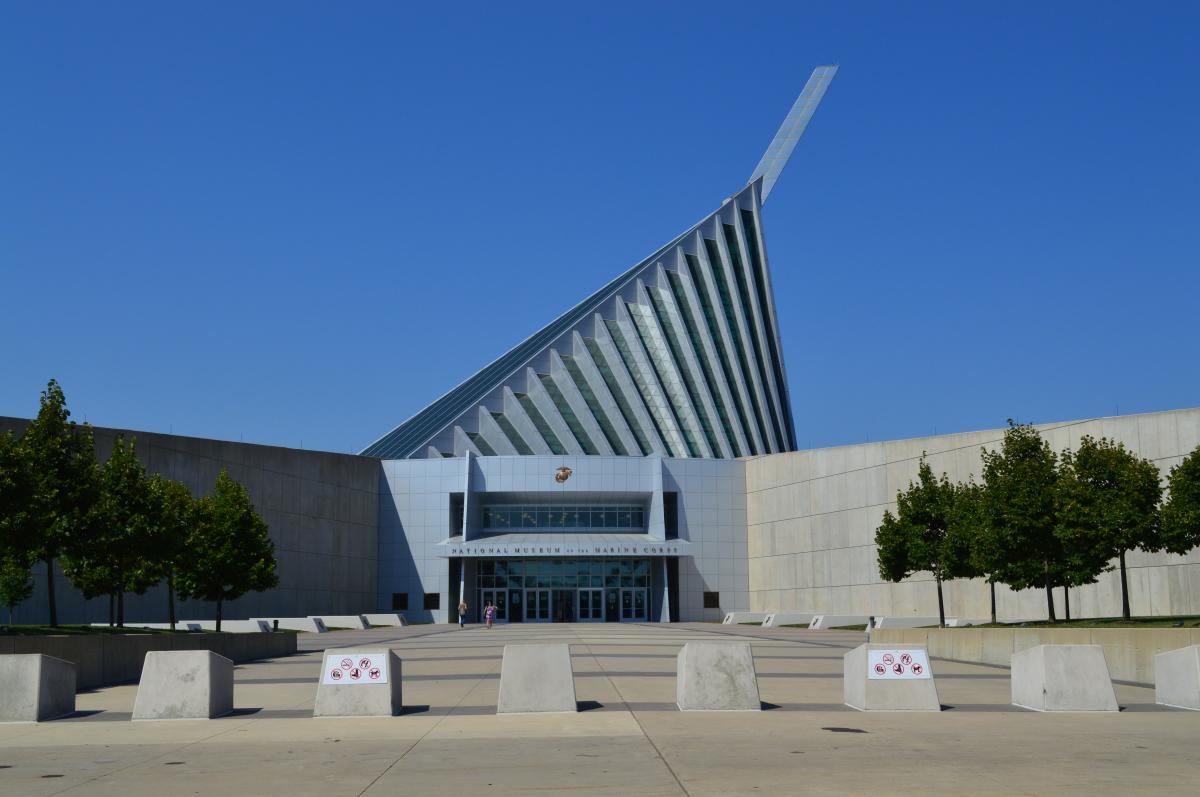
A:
[893,665]
[348,667]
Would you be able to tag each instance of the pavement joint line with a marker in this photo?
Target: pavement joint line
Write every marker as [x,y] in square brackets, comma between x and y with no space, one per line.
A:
[151,757]
[646,735]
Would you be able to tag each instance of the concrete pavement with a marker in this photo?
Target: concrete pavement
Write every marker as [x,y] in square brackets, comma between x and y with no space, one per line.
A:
[629,738]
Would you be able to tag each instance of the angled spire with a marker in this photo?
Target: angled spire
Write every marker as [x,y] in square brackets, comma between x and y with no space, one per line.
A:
[777,154]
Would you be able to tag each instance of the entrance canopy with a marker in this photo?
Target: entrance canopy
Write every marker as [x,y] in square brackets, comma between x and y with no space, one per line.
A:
[540,544]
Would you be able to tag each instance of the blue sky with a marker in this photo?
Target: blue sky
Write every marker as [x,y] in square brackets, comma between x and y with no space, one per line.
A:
[298,223]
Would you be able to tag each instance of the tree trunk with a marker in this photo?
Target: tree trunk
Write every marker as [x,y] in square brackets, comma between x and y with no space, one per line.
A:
[112,612]
[992,585]
[941,604]
[1067,601]
[218,614]
[1050,598]
[121,607]
[171,598]
[1124,590]
[50,591]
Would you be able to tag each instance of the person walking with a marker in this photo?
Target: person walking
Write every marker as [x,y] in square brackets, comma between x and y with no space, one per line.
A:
[489,613]
[462,613]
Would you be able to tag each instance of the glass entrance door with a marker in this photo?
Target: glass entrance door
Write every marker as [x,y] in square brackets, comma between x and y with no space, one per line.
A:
[537,605]
[591,606]
[499,599]
[633,605]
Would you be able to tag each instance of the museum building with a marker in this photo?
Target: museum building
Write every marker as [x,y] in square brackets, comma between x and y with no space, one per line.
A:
[561,483]
[633,461]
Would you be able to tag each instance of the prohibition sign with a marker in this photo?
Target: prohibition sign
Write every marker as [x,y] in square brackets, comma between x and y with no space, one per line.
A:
[347,664]
[364,663]
[880,669]
[335,674]
[897,668]
[373,673]
[355,674]
[917,669]
[906,658]
[888,658]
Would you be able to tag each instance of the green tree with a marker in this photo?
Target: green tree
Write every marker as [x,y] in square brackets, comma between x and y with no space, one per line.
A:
[1018,505]
[230,552]
[111,552]
[60,460]
[1108,505]
[174,514]
[16,581]
[14,496]
[970,537]
[1181,512]
[917,538]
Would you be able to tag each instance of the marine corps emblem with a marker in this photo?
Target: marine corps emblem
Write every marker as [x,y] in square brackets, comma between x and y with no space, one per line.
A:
[562,474]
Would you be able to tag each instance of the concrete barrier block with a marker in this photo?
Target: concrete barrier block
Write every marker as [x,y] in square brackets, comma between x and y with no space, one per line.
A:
[1177,678]
[787,618]
[1062,678]
[355,621]
[232,626]
[359,682]
[386,619]
[536,678]
[716,676]
[34,687]
[184,684]
[826,621]
[880,677]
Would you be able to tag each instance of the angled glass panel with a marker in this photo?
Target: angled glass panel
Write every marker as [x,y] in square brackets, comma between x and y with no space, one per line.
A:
[568,414]
[739,275]
[512,434]
[718,272]
[656,346]
[593,403]
[543,428]
[618,394]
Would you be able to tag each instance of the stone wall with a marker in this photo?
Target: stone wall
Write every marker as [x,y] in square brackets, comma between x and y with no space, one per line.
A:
[322,511]
[812,517]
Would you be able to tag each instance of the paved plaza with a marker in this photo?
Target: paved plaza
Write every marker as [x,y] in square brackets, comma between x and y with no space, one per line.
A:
[629,738]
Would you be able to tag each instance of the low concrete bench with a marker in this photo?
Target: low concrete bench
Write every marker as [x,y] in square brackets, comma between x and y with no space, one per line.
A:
[386,619]
[787,618]
[232,626]
[184,684]
[1177,678]
[355,621]
[536,679]
[716,676]
[35,687]
[1062,678]
[734,618]
[359,682]
[878,677]
[908,622]
[313,625]
[826,621]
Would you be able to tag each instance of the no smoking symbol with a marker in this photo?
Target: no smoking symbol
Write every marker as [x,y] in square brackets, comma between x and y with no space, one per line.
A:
[888,658]
[347,664]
